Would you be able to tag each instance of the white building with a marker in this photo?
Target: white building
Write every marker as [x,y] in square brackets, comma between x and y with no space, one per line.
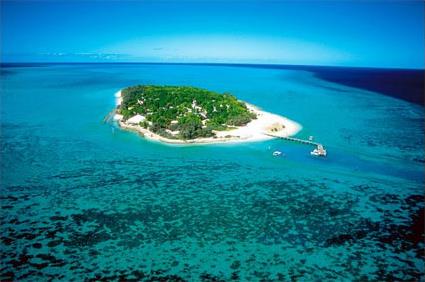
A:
[136,119]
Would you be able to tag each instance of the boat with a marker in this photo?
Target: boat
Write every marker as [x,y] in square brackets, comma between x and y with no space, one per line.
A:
[319,151]
[277,153]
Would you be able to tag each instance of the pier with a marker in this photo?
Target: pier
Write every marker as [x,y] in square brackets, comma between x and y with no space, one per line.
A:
[109,117]
[303,141]
[319,151]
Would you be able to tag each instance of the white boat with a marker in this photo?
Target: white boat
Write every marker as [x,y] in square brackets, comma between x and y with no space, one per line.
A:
[319,151]
[277,153]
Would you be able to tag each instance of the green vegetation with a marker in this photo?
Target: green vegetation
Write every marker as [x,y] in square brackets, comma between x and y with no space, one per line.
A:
[183,112]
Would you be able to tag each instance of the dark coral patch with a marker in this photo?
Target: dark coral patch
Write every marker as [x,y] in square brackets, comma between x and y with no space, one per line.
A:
[26,235]
[39,265]
[58,218]
[7,241]
[22,260]
[54,243]
[7,276]
[87,239]
[37,245]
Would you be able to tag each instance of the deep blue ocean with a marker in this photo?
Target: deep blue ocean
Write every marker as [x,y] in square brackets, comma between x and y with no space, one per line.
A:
[82,200]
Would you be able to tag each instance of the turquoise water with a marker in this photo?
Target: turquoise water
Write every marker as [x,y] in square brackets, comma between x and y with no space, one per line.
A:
[82,199]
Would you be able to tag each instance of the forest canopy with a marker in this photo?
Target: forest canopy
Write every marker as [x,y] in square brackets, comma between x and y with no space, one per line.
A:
[183,112]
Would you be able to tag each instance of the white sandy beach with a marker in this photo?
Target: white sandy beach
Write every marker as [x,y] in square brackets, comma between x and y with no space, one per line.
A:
[256,130]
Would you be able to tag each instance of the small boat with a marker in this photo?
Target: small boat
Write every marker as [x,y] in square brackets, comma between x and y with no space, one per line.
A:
[277,153]
[319,151]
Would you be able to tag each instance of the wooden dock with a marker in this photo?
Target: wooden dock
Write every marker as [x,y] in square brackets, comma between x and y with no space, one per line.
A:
[109,117]
[303,141]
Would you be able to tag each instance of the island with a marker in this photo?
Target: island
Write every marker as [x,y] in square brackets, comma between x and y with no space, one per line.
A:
[191,115]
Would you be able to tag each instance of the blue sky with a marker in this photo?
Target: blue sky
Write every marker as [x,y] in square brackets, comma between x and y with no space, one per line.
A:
[336,33]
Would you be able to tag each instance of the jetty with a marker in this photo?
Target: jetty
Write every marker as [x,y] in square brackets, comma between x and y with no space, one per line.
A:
[109,117]
[293,139]
[318,151]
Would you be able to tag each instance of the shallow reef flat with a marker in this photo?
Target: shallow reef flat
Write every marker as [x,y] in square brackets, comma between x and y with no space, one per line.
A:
[160,225]
[82,200]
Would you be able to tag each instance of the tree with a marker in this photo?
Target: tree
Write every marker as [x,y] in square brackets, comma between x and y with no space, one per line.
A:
[189,126]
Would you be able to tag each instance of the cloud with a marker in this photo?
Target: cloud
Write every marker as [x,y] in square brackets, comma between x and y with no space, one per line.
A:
[229,49]
[65,57]
[85,55]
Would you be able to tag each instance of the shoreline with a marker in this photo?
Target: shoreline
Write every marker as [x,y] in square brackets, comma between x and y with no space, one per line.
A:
[254,131]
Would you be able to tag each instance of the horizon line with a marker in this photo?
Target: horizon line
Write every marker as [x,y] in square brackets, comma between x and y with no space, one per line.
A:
[221,64]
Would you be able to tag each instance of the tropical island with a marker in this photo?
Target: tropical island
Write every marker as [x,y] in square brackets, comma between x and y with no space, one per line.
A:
[184,114]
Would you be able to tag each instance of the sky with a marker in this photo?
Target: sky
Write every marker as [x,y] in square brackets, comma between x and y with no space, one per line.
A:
[387,34]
